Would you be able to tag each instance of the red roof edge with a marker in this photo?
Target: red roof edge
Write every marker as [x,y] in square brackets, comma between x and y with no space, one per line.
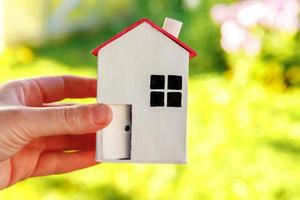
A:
[192,52]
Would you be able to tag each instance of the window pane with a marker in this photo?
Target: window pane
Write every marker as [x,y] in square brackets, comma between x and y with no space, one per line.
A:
[174,82]
[157,82]
[174,99]
[157,99]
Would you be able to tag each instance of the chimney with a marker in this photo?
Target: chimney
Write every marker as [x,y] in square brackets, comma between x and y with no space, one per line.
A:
[172,26]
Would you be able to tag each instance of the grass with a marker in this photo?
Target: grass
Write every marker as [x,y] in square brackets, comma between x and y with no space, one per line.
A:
[244,141]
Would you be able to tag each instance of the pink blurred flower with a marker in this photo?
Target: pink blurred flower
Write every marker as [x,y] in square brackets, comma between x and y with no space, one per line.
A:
[237,19]
[282,15]
[222,12]
[219,13]
[250,13]
[232,36]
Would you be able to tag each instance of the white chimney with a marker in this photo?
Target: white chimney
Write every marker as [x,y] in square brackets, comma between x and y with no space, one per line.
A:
[172,26]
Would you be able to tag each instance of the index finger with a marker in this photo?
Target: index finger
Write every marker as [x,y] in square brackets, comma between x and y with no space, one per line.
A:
[59,87]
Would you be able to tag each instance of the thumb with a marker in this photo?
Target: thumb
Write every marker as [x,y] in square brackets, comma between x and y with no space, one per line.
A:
[74,120]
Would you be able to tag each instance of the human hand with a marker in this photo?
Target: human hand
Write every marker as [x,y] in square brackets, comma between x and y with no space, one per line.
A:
[34,134]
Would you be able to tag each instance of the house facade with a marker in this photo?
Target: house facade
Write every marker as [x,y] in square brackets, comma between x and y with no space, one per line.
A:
[143,76]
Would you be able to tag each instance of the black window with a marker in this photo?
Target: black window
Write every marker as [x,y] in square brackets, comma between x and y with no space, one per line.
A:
[157,99]
[157,82]
[174,82]
[172,93]
[174,99]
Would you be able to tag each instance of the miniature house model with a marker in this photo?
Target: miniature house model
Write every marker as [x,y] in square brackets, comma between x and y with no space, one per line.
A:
[142,76]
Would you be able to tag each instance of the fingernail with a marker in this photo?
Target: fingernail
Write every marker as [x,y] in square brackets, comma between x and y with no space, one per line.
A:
[101,114]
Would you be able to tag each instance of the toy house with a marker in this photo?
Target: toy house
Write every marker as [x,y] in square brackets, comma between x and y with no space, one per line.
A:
[143,76]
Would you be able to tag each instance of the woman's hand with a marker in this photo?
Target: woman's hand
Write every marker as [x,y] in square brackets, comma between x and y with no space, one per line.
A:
[34,134]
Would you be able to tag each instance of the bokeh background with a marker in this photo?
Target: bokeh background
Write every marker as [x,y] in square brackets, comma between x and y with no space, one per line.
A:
[244,111]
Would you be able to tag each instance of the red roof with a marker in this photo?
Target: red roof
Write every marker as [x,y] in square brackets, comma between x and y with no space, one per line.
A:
[183,45]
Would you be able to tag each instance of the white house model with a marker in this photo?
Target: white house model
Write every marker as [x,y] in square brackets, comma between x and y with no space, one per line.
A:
[143,76]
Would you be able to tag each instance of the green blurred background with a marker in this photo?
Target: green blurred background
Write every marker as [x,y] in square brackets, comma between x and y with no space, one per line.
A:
[243,116]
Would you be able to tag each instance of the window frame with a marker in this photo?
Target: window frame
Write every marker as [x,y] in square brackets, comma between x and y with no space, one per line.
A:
[167,90]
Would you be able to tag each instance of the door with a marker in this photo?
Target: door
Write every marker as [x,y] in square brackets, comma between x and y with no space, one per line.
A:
[117,135]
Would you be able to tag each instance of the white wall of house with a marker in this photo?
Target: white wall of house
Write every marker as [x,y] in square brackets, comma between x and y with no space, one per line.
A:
[125,67]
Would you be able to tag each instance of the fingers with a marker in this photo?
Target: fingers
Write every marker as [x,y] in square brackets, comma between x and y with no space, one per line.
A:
[69,120]
[71,142]
[57,162]
[21,125]
[65,142]
[57,88]
[51,89]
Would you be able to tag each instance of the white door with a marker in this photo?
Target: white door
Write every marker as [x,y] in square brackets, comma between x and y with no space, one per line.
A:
[117,135]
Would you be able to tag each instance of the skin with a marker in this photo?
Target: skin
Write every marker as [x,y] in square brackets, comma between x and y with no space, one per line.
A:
[35,133]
